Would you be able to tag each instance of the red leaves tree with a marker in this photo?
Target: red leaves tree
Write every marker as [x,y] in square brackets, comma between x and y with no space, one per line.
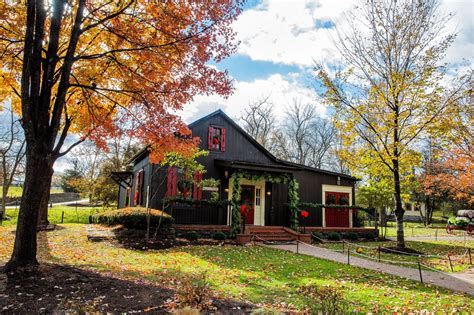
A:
[451,172]
[94,68]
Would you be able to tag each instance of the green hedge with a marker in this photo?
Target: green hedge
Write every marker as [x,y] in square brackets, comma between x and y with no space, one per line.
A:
[133,218]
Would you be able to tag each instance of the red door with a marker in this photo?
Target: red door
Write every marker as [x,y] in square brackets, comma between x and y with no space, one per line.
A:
[247,195]
[336,217]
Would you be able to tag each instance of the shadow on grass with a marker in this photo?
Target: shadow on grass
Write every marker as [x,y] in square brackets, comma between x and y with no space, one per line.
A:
[51,288]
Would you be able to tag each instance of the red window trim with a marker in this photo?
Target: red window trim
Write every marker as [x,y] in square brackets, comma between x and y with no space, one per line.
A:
[210,138]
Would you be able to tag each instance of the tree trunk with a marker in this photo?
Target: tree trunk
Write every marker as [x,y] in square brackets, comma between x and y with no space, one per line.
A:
[39,169]
[399,212]
[43,211]
[3,209]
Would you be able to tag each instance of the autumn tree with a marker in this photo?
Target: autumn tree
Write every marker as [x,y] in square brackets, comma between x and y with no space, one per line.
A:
[74,66]
[450,168]
[391,95]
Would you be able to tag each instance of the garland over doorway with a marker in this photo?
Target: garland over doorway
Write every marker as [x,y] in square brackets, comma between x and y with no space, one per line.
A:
[293,197]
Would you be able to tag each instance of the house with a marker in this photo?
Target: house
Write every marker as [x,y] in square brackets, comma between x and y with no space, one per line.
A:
[265,183]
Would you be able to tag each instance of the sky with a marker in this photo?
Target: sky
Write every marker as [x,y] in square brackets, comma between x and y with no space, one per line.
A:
[280,41]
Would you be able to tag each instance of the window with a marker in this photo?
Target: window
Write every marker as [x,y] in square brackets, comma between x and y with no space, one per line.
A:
[258,192]
[216,138]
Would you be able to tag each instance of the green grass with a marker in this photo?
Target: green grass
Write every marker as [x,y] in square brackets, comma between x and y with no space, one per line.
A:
[417,229]
[267,277]
[440,248]
[71,215]
[16,191]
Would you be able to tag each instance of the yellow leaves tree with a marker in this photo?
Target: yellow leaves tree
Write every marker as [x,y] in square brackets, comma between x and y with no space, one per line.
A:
[391,95]
[95,68]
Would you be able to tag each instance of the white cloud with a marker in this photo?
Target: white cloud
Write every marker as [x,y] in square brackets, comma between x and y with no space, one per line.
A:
[286,31]
[282,91]
[463,24]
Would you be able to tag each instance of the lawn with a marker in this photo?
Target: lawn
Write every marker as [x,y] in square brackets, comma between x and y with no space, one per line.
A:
[417,229]
[267,277]
[71,214]
[16,191]
[457,250]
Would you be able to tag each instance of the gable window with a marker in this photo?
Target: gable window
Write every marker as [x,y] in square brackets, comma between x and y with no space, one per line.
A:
[216,138]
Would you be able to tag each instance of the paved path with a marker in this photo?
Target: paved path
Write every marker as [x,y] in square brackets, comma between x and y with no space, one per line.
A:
[434,238]
[58,203]
[456,282]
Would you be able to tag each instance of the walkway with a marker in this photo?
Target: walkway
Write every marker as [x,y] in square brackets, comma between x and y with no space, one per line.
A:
[456,282]
[66,203]
[436,238]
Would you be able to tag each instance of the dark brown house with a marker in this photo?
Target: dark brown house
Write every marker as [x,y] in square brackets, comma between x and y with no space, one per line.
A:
[233,150]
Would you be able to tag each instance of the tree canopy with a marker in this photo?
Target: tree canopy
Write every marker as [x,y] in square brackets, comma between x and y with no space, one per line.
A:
[98,65]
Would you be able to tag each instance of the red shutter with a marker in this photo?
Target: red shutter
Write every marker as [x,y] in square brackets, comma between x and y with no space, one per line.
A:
[223,139]
[197,190]
[209,138]
[135,197]
[171,182]
[174,191]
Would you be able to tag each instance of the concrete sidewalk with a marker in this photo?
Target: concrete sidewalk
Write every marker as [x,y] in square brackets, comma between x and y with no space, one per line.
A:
[58,203]
[455,282]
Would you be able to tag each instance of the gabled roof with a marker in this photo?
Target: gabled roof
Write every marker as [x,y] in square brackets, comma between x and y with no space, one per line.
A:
[219,112]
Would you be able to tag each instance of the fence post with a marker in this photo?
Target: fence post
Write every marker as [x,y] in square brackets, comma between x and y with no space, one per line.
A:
[436,234]
[297,247]
[62,217]
[419,270]
[470,257]
[348,255]
[450,263]
[379,252]
[343,246]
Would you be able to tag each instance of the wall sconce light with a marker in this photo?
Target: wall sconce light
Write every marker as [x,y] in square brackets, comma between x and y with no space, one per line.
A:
[226,174]
[269,193]
[226,190]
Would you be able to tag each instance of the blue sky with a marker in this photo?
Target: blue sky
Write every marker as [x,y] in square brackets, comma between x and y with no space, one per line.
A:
[280,40]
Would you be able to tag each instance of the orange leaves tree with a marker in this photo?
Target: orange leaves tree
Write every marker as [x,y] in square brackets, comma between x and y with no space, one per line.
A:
[95,68]
[452,171]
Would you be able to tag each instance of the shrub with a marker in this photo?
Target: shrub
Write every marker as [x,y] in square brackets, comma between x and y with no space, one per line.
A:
[334,236]
[371,236]
[325,299]
[317,237]
[194,292]
[220,236]
[133,218]
[191,236]
[351,236]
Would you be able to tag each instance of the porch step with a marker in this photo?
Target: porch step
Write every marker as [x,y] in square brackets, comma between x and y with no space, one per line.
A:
[270,233]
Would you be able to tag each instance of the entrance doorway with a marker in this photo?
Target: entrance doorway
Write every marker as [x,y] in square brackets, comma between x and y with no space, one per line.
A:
[247,197]
[337,217]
